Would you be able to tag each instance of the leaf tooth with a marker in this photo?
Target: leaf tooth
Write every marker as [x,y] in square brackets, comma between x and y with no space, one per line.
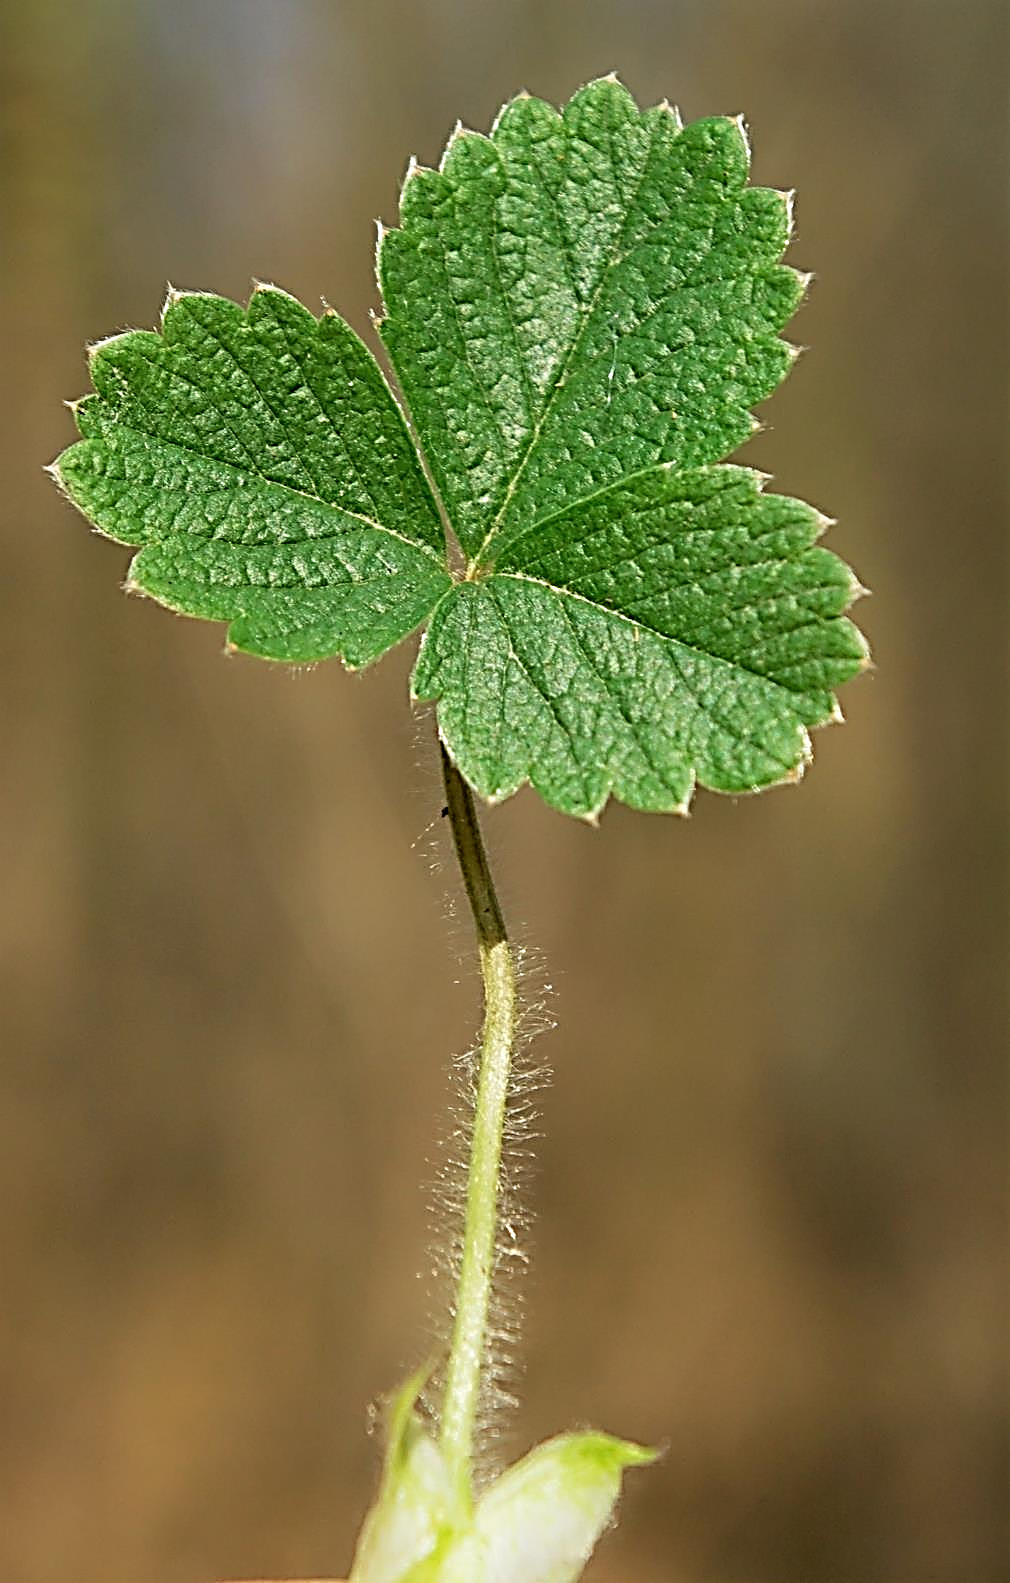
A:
[55,472]
[174,298]
[673,111]
[415,171]
[857,591]
[824,522]
[175,294]
[788,196]
[94,348]
[795,775]
[496,123]
[517,98]
[521,98]
[463,134]
[382,230]
[741,125]
[458,131]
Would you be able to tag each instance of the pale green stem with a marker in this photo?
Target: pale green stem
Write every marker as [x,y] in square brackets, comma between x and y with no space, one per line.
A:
[473,1293]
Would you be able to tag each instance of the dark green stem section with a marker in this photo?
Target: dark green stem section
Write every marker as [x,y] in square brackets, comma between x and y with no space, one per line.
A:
[468,1350]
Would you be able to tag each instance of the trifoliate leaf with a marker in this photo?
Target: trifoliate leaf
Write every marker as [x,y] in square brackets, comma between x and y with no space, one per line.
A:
[538,1522]
[581,309]
[262,463]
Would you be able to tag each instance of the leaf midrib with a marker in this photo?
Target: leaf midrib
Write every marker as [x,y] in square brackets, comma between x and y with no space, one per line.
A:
[559,379]
[272,483]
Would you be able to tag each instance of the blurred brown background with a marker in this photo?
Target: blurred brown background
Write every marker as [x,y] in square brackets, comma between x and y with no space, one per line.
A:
[772,1196]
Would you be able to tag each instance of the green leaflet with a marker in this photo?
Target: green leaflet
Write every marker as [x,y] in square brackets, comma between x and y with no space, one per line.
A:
[680,626]
[260,460]
[578,297]
[581,309]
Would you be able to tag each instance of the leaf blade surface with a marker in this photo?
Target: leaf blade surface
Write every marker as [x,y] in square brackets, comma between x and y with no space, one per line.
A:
[578,296]
[679,627]
[260,463]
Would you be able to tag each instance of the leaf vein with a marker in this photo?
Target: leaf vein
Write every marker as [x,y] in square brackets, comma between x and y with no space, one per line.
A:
[645,626]
[559,378]
[348,454]
[289,489]
[591,664]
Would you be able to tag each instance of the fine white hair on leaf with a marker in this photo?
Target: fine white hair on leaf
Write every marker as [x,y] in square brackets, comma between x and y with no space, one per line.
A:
[172,295]
[458,131]
[741,126]
[95,348]
[381,231]
[788,196]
